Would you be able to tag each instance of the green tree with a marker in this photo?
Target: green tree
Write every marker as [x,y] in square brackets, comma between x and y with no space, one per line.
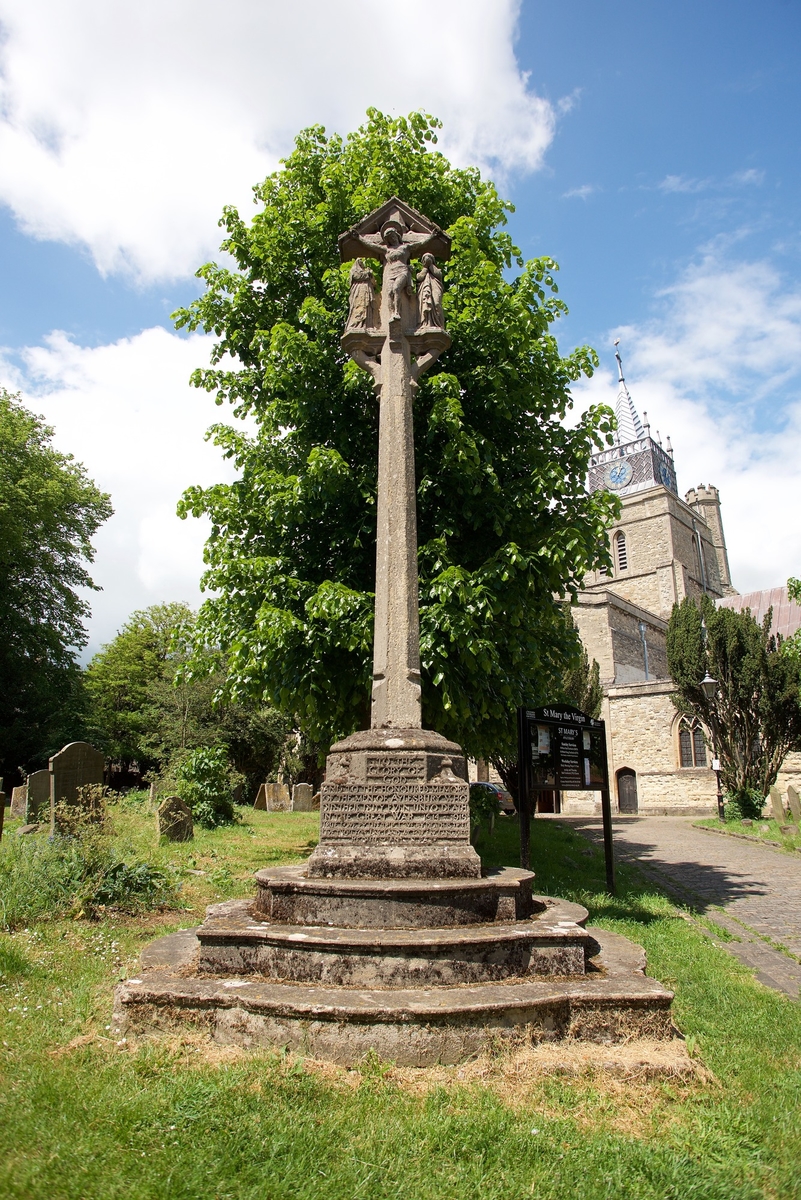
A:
[504,519]
[49,512]
[145,708]
[754,716]
[581,681]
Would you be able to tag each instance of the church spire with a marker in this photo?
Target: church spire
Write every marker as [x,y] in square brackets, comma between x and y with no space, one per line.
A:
[629,425]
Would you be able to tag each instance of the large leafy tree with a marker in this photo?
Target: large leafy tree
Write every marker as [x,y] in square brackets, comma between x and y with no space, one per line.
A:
[145,708]
[504,519]
[49,512]
[754,715]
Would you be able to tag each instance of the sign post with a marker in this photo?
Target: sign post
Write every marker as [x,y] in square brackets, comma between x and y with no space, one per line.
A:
[562,749]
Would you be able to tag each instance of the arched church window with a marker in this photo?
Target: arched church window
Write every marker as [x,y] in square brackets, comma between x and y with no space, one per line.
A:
[621,552]
[692,746]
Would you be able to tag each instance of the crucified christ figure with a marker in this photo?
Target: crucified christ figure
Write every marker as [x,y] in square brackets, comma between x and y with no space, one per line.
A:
[395,247]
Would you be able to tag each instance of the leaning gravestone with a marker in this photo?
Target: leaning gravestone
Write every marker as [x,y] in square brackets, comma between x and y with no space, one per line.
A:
[277,797]
[19,799]
[175,820]
[795,804]
[777,806]
[74,767]
[38,796]
[302,794]
[260,803]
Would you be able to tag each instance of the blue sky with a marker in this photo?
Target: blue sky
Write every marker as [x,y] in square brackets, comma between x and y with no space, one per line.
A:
[652,149]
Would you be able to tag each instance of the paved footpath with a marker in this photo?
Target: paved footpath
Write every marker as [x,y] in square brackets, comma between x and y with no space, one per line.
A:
[757,888]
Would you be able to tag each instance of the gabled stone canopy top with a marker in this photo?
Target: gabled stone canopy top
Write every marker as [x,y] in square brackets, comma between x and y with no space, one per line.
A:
[405,218]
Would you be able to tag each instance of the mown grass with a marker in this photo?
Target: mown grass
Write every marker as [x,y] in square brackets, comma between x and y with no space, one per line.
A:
[759,831]
[82,1118]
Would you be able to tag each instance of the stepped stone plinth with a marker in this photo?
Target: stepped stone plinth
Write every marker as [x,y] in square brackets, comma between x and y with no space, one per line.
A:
[390,938]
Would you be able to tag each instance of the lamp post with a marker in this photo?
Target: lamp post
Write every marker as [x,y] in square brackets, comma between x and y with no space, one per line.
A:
[709,686]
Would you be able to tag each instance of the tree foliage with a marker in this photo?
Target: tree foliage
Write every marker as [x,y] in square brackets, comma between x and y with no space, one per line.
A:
[49,512]
[145,708]
[505,523]
[755,716]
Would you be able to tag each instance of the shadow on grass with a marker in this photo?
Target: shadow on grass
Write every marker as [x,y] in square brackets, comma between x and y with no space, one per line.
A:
[568,865]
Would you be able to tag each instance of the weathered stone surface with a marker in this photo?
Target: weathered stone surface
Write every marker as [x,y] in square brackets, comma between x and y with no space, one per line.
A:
[77,765]
[410,1026]
[19,800]
[776,806]
[795,804]
[175,820]
[38,796]
[395,804]
[302,797]
[287,896]
[260,803]
[278,799]
[26,829]
[234,941]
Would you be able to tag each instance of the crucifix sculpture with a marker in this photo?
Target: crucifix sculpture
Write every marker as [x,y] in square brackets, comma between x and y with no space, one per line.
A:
[396,337]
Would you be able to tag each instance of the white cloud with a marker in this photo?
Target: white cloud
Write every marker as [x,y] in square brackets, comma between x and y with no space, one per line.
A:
[125,128]
[680,183]
[719,370]
[127,412]
[582,193]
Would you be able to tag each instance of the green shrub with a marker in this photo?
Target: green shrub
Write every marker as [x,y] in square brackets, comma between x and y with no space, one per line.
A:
[484,807]
[746,804]
[203,780]
[42,878]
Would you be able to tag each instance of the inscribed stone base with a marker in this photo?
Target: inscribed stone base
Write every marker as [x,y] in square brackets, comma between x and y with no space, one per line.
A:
[395,804]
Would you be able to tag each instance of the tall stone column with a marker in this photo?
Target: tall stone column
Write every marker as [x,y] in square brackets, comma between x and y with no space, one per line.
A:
[395,799]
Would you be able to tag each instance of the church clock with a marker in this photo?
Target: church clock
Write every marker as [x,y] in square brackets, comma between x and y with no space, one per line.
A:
[618,474]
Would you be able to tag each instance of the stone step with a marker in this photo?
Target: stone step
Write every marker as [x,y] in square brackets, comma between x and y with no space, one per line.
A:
[233,939]
[288,896]
[415,1026]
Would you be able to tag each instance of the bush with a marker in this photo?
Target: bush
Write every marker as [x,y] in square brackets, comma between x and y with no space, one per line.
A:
[204,783]
[747,804]
[42,878]
[484,806]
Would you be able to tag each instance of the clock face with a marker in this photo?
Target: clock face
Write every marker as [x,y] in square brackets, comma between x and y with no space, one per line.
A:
[665,475]
[618,474]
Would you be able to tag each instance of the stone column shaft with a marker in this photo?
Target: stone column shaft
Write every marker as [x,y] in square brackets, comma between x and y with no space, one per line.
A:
[396,651]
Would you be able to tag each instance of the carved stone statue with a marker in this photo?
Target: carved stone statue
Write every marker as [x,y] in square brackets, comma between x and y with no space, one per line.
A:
[362,313]
[429,295]
[395,247]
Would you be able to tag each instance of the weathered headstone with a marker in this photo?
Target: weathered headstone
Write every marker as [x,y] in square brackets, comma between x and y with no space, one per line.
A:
[38,796]
[19,799]
[277,797]
[777,806]
[260,803]
[77,765]
[795,804]
[175,820]
[302,795]
[26,829]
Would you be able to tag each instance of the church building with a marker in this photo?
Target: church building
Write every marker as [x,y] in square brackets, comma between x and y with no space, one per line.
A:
[663,549]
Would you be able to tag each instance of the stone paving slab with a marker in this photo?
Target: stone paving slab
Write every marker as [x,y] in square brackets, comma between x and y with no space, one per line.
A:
[758,888]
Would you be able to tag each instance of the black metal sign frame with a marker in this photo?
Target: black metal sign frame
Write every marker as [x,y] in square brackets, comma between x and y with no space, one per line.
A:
[562,749]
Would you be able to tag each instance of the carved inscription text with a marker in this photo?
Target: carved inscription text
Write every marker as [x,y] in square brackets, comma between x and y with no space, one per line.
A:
[391,767]
[399,813]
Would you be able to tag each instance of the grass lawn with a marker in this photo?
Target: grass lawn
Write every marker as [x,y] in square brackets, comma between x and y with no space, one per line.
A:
[82,1118]
[759,831]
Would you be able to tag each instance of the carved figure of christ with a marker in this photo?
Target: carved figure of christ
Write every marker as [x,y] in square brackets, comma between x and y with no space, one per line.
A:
[395,251]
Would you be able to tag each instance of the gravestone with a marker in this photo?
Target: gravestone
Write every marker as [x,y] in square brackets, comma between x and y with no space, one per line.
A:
[302,796]
[175,820]
[19,799]
[260,803]
[777,806]
[277,795]
[77,765]
[795,804]
[38,796]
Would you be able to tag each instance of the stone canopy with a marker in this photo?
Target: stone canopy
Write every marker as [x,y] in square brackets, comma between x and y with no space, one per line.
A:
[405,218]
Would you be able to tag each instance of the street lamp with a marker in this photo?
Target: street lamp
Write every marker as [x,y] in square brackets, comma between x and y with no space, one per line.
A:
[709,687]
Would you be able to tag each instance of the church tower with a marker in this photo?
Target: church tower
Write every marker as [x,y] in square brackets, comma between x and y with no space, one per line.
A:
[663,548]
